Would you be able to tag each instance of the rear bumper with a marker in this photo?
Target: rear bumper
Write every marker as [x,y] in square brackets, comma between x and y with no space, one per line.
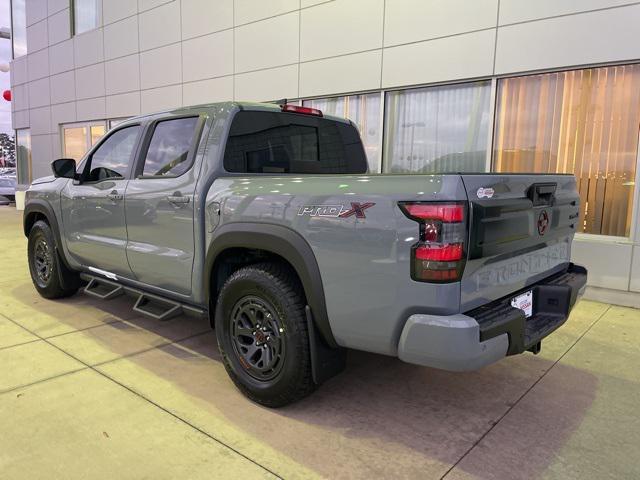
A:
[482,336]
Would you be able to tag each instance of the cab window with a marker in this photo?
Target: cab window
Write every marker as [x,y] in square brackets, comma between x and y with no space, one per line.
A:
[112,158]
[168,151]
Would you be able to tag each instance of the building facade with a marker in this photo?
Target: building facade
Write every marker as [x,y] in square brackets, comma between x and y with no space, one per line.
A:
[434,86]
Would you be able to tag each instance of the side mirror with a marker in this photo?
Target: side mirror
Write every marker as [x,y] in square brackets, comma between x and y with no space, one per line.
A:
[64,168]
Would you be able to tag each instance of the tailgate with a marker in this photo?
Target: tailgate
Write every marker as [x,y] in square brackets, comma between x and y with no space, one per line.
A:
[520,231]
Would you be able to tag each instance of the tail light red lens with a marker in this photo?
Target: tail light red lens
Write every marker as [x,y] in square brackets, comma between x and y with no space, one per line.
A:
[302,110]
[439,255]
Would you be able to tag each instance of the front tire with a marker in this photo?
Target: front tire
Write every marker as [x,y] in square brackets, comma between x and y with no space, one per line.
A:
[262,334]
[51,279]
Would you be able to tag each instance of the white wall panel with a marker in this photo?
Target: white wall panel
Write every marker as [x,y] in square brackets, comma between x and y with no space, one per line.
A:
[603,36]
[59,27]
[159,99]
[62,113]
[124,105]
[160,26]
[36,10]
[200,17]
[208,56]
[608,263]
[265,85]
[61,57]
[19,71]
[148,4]
[310,3]
[20,97]
[122,75]
[340,27]
[20,119]
[90,81]
[121,38]
[208,91]
[63,87]
[450,58]
[88,47]
[40,119]
[348,73]
[39,93]
[114,10]
[91,109]
[415,20]
[161,66]
[54,6]
[250,10]
[512,11]
[37,37]
[268,43]
[38,64]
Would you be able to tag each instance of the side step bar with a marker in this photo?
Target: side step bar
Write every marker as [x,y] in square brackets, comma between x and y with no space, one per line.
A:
[146,303]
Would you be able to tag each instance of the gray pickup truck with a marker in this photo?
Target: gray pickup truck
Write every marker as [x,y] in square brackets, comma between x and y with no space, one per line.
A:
[265,219]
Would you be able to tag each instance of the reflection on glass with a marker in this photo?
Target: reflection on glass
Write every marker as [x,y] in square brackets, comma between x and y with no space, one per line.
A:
[86,15]
[437,129]
[18,27]
[583,122]
[23,156]
[169,147]
[113,156]
[364,111]
[97,131]
[75,142]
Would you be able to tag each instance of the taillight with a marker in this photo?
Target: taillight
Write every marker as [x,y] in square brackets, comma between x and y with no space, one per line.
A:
[303,110]
[439,255]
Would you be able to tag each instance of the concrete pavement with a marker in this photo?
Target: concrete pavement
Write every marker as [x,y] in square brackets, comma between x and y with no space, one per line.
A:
[89,389]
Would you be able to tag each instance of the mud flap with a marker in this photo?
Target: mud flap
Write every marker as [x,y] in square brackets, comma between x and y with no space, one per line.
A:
[326,362]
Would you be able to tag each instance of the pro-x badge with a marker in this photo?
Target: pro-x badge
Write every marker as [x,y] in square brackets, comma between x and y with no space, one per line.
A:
[340,211]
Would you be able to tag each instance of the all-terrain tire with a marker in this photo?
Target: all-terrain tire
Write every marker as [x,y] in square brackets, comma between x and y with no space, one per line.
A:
[274,290]
[51,278]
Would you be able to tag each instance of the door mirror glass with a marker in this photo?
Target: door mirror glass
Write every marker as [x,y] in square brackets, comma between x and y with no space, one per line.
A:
[64,168]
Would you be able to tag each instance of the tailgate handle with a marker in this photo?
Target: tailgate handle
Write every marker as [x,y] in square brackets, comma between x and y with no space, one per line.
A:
[542,193]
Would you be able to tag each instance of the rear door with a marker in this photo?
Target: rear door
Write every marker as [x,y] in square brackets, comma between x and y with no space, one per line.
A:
[160,205]
[520,231]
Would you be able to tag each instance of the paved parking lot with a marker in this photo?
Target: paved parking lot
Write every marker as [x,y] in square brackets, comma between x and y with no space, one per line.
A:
[88,389]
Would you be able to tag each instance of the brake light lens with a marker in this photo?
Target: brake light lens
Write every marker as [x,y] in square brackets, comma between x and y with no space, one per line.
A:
[303,110]
[439,255]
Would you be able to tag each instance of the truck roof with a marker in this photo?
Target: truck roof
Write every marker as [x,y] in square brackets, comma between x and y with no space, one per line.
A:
[228,105]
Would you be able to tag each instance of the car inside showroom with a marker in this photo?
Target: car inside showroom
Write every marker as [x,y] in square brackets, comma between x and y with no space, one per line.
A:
[319,239]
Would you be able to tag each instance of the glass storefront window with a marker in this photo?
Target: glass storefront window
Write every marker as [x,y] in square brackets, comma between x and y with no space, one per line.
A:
[23,156]
[77,139]
[583,122]
[86,15]
[19,27]
[364,111]
[437,129]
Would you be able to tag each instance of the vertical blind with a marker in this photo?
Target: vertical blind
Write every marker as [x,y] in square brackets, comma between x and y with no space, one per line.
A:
[583,122]
[364,111]
[437,129]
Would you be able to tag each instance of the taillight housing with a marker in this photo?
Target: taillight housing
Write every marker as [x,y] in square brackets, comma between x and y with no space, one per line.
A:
[439,255]
[303,110]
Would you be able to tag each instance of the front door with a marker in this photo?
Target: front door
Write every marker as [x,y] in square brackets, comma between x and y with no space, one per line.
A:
[93,207]
[159,206]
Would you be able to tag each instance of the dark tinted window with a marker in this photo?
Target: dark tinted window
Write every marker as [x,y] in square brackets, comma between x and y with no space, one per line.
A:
[272,142]
[169,148]
[113,156]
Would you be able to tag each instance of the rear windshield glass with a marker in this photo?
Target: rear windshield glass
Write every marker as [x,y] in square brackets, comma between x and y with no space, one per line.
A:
[277,143]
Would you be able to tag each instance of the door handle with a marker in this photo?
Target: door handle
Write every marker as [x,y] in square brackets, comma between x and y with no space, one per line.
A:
[114,196]
[178,199]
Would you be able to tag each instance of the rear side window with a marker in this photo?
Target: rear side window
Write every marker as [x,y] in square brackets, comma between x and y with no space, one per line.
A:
[168,150]
[279,143]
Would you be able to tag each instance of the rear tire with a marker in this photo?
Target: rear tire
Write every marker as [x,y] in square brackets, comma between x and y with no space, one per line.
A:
[50,277]
[262,334]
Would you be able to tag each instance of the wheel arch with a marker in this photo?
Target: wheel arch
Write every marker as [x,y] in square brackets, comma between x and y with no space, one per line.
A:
[281,242]
[40,210]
